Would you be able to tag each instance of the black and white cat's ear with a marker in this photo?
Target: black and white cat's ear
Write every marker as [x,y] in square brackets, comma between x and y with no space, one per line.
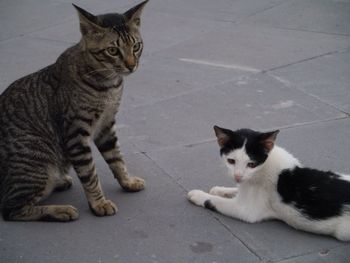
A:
[222,135]
[88,22]
[268,139]
[133,15]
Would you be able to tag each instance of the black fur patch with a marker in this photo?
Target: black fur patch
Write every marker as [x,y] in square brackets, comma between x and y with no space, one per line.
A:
[82,162]
[85,179]
[254,148]
[317,194]
[108,145]
[6,214]
[114,20]
[49,218]
[209,205]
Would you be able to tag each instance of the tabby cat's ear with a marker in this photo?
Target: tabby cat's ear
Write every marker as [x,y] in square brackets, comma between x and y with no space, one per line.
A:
[88,22]
[222,135]
[268,139]
[133,15]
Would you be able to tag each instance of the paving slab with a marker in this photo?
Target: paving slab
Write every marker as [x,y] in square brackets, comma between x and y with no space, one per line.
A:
[262,64]
[339,255]
[154,225]
[256,48]
[167,29]
[26,55]
[200,167]
[324,16]
[159,79]
[319,146]
[323,145]
[189,118]
[64,32]
[326,78]
[21,17]
[220,10]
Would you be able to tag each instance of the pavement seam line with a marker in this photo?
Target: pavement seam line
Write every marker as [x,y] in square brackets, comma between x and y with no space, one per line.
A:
[325,102]
[305,254]
[297,125]
[50,40]
[185,93]
[301,61]
[69,19]
[165,172]
[262,11]
[237,237]
[202,142]
[212,215]
[310,95]
[311,31]
[35,31]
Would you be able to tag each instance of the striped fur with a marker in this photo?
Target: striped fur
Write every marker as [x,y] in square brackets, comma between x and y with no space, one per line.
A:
[49,118]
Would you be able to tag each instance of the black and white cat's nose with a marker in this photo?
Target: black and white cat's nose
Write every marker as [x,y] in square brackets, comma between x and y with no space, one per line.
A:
[238,177]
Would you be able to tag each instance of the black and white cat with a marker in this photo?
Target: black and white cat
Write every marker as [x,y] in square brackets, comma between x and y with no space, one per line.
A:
[272,184]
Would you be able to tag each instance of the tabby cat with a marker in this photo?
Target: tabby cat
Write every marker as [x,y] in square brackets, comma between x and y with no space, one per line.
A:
[49,118]
[272,184]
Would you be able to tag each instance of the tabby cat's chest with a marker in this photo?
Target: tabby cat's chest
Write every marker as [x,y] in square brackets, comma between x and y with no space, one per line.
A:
[106,111]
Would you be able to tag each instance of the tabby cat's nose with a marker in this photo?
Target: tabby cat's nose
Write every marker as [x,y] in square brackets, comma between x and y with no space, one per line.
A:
[131,67]
[130,64]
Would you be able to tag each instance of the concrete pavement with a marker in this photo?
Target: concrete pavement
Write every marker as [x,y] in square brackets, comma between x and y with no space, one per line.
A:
[262,64]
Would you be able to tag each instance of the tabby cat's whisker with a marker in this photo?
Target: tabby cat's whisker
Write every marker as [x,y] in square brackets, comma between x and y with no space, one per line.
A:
[93,72]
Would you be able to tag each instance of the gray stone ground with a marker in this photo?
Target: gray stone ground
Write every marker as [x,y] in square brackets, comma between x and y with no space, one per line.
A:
[263,64]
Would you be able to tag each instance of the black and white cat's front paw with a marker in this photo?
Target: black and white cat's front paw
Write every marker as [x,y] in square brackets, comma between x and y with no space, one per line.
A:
[227,192]
[198,197]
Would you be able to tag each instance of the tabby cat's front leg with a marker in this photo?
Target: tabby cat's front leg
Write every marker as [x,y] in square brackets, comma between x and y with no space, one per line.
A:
[80,156]
[107,143]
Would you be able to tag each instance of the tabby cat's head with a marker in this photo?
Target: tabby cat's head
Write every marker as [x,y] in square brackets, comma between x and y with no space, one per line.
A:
[244,151]
[111,42]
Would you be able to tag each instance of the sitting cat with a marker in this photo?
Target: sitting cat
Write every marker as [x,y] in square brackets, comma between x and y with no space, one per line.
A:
[272,184]
[49,118]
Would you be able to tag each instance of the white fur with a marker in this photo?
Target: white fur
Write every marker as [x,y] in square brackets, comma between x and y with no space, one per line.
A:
[257,199]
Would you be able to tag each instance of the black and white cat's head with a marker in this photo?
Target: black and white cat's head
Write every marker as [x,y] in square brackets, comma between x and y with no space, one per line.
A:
[244,151]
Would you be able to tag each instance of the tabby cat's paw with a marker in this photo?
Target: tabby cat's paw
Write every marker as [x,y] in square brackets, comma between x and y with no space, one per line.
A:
[63,213]
[104,208]
[198,197]
[133,184]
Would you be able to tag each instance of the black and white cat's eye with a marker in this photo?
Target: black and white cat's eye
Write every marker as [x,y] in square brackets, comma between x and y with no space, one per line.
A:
[231,161]
[113,51]
[252,165]
[137,46]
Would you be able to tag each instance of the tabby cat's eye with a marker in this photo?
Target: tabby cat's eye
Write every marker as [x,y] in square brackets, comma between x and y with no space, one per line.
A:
[231,161]
[137,46]
[251,165]
[113,51]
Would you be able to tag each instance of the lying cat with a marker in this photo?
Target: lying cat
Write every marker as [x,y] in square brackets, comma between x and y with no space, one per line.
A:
[272,184]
